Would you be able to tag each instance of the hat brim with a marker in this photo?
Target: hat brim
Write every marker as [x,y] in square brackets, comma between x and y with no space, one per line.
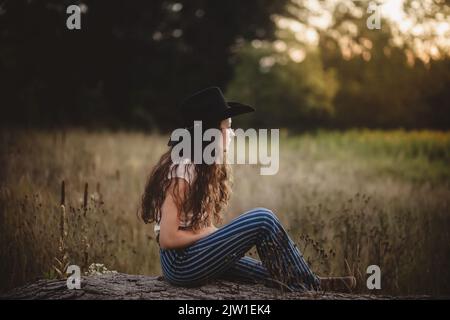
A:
[235,109]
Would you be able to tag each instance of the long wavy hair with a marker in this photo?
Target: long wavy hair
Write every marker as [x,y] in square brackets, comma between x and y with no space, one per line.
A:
[208,193]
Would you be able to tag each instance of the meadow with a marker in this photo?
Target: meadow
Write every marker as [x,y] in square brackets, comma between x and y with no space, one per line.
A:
[349,200]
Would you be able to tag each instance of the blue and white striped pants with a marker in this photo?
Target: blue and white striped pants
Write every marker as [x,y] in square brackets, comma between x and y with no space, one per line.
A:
[221,255]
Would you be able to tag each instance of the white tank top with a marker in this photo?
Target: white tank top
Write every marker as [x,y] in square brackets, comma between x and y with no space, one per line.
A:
[185,170]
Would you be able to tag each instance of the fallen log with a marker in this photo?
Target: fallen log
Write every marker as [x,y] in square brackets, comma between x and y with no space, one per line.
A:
[126,286]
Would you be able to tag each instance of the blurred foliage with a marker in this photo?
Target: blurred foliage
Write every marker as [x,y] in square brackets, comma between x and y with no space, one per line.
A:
[285,94]
[342,76]
[129,64]
[387,86]
[133,62]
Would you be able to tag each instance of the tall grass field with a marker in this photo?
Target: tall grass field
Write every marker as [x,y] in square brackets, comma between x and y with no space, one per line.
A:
[348,199]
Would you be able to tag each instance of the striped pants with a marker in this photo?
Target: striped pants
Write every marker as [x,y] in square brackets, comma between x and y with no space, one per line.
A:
[221,255]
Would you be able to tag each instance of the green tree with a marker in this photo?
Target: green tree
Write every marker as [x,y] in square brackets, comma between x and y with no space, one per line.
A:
[286,93]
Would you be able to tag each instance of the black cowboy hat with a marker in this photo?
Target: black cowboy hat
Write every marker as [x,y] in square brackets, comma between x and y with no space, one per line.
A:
[209,106]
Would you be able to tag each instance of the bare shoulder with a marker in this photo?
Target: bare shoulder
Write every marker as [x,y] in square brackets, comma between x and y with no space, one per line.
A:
[174,194]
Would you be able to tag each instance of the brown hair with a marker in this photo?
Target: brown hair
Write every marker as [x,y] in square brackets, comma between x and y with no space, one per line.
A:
[209,192]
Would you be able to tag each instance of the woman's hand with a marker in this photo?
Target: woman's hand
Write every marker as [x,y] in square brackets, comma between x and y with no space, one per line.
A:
[210,229]
[206,231]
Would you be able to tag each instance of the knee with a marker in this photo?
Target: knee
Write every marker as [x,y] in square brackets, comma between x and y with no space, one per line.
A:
[266,215]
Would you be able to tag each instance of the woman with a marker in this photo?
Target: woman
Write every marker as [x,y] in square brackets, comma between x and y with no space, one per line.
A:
[183,197]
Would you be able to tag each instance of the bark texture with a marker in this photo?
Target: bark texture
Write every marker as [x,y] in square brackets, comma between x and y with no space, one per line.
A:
[125,286]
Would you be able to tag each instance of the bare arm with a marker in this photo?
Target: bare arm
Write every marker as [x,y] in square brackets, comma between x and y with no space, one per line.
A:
[170,236]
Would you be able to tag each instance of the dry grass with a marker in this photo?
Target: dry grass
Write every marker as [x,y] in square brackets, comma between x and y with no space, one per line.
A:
[349,200]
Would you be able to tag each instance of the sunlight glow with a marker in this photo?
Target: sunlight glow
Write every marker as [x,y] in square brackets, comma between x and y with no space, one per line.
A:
[421,26]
